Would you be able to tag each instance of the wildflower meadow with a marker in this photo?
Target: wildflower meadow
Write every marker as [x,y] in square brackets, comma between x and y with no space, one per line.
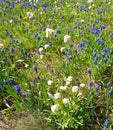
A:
[56,64]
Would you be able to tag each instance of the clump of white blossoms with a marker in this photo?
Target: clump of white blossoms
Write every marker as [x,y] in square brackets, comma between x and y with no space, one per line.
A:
[65,101]
[50,82]
[49,32]
[62,49]
[75,89]
[30,15]
[68,80]
[89,1]
[82,85]
[40,49]
[11,21]
[67,38]
[1,45]
[35,1]
[63,88]
[46,46]
[57,95]
[54,108]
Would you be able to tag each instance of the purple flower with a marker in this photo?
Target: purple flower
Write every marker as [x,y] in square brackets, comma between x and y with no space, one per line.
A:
[111,52]
[25,95]
[17,89]
[1,85]
[25,53]
[110,93]
[108,84]
[97,87]
[35,68]
[11,81]
[89,70]
[95,61]
[58,31]
[47,66]
[103,54]
[105,60]
[91,83]
[106,123]
[11,50]
[102,27]
[70,58]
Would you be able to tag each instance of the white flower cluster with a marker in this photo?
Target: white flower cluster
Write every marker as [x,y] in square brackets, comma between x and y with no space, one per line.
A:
[30,15]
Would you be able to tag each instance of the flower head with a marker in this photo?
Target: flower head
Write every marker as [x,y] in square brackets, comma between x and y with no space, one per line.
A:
[54,108]
[50,82]
[75,89]
[30,15]
[65,101]
[49,32]
[67,38]
[17,89]
[57,95]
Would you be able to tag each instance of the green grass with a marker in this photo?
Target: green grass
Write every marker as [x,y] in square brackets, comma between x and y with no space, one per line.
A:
[90,106]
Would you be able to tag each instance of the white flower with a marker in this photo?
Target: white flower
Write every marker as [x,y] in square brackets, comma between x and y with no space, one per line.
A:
[62,49]
[26,65]
[77,3]
[40,49]
[69,78]
[30,15]
[41,56]
[11,21]
[1,45]
[54,108]
[63,88]
[82,85]
[67,83]
[35,1]
[49,32]
[50,82]
[46,46]
[82,20]
[90,7]
[75,89]
[89,1]
[65,101]
[67,38]
[57,95]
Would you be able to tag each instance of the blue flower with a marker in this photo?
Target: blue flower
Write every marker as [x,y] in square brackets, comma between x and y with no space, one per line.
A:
[110,93]
[70,58]
[89,70]
[111,52]
[105,49]
[11,81]
[58,31]
[35,68]
[102,27]
[91,83]
[95,61]
[97,87]
[11,50]
[111,34]
[25,53]
[72,16]
[47,66]
[103,54]
[108,84]
[105,60]
[25,95]
[17,89]
[106,123]
[1,85]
